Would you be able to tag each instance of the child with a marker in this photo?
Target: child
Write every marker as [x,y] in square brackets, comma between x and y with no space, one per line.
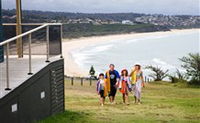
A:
[124,85]
[102,88]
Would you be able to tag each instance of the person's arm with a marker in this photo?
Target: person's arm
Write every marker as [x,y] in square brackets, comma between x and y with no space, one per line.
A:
[120,83]
[128,81]
[118,77]
[142,79]
[106,75]
[129,84]
[131,73]
[97,89]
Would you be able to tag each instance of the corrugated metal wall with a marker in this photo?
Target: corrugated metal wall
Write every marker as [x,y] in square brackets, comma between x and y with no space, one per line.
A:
[1,36]
[40,96]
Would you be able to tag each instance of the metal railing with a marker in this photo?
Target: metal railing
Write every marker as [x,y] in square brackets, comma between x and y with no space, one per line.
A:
[6,45]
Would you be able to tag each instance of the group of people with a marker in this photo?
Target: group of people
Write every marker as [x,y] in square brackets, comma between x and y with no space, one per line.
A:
[108,84]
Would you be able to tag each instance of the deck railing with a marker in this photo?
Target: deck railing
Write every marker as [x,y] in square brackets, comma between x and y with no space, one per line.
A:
[51,39]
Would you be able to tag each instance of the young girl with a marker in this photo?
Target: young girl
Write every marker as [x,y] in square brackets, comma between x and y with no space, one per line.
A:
[102,88]
[124,85]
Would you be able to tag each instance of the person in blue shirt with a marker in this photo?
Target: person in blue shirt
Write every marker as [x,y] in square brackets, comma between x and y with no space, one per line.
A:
[113,78]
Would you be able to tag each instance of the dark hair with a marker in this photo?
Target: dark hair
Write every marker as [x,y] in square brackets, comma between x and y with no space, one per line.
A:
[112,65]
[139,66]
[101,74]
[122,72]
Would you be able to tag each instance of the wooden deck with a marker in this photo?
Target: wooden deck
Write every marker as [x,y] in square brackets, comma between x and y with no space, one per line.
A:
[18,70]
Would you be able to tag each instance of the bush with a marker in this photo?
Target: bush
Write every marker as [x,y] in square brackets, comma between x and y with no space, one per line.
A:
[158,74]
[92,71]
[192,65]
[178,77]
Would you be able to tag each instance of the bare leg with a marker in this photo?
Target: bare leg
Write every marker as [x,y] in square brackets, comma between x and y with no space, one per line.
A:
[103,100]
[135,99]
[113,99]
[100,100]
[139,101]
[110,98]
[123,97]
[126,97]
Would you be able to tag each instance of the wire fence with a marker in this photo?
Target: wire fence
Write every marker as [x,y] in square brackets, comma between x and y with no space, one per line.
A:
[81,81]
[73,81]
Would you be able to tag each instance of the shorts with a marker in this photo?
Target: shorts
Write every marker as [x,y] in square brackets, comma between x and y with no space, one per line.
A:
[101,93]
[113,91]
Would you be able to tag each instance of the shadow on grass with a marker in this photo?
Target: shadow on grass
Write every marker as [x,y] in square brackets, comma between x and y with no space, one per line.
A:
[67,117]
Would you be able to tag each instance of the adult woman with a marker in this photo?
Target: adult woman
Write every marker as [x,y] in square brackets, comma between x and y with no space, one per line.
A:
[137,82]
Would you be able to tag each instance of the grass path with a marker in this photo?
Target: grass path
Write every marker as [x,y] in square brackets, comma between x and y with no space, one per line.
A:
[162,102]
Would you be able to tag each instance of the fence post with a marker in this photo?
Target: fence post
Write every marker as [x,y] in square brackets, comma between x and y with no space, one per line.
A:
[29,47]
[72,81]
[90,81]
[47,43]
[61,37]
[81,81]
[7,68]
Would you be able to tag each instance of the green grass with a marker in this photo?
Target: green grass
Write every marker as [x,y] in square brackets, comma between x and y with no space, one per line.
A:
[85,30]
[162,102]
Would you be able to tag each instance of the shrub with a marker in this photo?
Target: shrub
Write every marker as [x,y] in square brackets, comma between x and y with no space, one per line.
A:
[158,74]
[178,77]
[192,65]
[92,71]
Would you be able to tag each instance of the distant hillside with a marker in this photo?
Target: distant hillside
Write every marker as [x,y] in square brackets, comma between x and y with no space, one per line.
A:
[45,15]
[180,21]
[82,24]
[85,30]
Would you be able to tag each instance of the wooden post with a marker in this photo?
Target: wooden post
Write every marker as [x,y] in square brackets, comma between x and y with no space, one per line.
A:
[81,81]
[90,81]
[72,81]
[19,29]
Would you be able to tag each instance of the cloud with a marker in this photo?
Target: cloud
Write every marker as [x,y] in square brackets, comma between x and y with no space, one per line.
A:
[111,6]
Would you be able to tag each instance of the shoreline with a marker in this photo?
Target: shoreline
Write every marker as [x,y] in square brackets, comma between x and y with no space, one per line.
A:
[73,69]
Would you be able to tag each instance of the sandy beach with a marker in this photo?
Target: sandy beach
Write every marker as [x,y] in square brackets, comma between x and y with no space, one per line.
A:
[72,68]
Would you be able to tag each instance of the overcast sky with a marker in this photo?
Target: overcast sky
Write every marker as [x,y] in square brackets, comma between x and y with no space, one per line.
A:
[169,7]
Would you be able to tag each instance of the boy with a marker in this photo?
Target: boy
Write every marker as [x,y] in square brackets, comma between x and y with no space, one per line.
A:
[102,88]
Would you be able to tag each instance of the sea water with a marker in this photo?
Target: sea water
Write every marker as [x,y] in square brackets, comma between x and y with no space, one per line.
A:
[163,51]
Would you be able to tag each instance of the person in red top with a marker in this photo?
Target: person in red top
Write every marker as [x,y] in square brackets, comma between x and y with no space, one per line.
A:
[124,85]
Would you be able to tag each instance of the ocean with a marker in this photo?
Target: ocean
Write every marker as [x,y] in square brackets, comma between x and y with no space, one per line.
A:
[163,51]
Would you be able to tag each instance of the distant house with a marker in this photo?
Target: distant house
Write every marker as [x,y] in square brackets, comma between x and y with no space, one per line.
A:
[53,21]
[127,22]
[9,17]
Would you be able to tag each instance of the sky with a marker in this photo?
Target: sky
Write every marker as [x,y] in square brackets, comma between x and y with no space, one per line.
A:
[167,7]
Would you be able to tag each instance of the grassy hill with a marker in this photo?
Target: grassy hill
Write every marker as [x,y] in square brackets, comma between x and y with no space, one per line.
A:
[85,30]
[162,102]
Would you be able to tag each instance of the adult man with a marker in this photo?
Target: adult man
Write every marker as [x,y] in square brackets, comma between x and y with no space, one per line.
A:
[112,77]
